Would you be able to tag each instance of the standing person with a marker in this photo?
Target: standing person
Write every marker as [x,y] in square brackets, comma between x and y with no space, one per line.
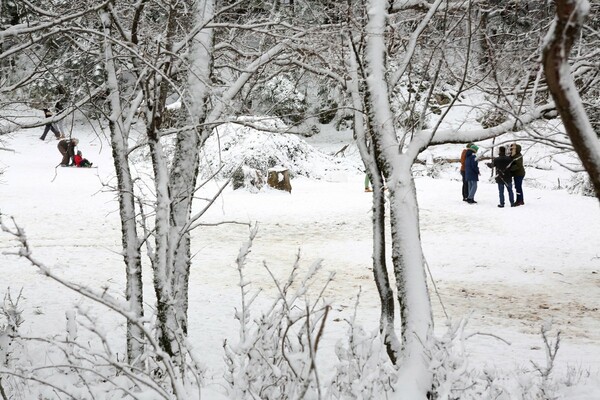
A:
[465,186]
[518,171]
[502,163]
[472,172]
[67,149]
[59,107]
[50,126]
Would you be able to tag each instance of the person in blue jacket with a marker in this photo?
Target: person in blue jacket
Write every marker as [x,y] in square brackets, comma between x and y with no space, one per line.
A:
[472,172]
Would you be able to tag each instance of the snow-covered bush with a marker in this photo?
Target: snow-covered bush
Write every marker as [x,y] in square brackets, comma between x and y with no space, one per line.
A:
[275,357]
[328,111]
[344,122]
[434,168]
[280,96]
[580,184]
[248,178]
[85,362]
[491,117]
[13,318]
[449,362]
[234,145]
[363,369]
[456,379]
[11,348]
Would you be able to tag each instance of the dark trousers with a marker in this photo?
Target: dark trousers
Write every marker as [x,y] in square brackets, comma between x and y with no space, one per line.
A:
[519,189]
[508,186]
[66,151]
[65,157]
[465,186]
[50,127]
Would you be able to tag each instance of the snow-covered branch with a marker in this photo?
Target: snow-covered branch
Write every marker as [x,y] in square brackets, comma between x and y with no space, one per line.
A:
[412,42]
[28,29]
[465,136]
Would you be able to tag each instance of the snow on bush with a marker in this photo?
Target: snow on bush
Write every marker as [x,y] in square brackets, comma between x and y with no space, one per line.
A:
[275,357]
[455,379]
[249,178]
[363,369]
[581,184]
[12,315]
[257,144]
[280,96]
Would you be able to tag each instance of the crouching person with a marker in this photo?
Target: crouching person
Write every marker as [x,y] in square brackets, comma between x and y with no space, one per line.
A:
[67,150]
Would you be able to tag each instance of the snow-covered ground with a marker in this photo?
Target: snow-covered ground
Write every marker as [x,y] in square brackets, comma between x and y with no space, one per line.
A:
[507,270]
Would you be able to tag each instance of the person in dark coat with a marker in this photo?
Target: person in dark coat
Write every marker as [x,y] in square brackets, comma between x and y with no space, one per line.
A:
[465,186]
[67,149]
[50,126]
[60,107]
[502,163]
[518,172]
[472,172]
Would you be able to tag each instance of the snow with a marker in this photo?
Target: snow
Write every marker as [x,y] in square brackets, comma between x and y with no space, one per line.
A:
[509,271]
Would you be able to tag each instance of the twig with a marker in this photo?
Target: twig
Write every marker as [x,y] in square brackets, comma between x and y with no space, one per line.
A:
[55,173]
[488,334]
[341,151]
[437,293]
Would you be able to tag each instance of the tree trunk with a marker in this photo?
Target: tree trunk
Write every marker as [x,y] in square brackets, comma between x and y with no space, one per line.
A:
[181,186]
[130,241]
[162,262]
[415,376]
[382,280]
[570,15]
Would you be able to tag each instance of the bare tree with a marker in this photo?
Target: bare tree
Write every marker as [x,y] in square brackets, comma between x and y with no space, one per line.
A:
[183,64]
[378,69]
[152,54]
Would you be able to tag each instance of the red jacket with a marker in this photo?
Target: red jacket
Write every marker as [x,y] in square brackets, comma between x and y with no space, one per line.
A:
[463,156]
[77,159]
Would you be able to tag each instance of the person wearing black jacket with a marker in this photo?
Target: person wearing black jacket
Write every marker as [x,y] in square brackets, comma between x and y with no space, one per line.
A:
[50,126]
[518,172]
[59,107]
[502,163]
